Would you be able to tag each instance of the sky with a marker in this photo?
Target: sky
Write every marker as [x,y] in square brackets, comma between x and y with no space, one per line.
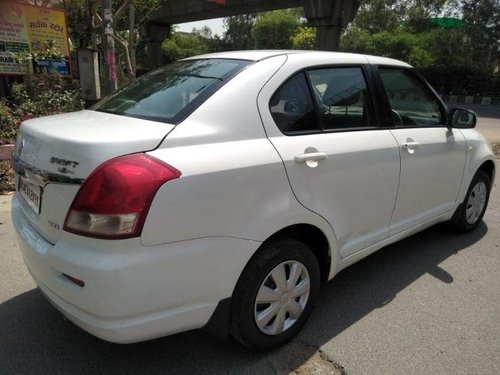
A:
[214,24]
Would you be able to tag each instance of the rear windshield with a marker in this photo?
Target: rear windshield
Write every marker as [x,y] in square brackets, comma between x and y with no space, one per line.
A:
[171,93]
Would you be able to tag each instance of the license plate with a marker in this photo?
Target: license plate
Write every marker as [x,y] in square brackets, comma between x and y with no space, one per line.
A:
[32,194]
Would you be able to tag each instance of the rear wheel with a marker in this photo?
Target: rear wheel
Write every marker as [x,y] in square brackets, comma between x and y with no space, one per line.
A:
[275,294]
[471,211]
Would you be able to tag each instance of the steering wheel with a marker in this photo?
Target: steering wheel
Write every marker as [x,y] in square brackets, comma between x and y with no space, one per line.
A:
[397,116]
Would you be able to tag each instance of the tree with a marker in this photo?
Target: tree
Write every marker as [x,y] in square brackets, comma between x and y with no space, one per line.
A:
[78,28]
[417,13]
[179,46]
[375,16]
[238,31]
[458,57]
[304,38]
[214,43]
[482,18]
[356,40]
[85,19]
[275,29]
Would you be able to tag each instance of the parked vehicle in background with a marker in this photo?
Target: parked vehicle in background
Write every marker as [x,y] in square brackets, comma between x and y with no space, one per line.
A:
[223,189]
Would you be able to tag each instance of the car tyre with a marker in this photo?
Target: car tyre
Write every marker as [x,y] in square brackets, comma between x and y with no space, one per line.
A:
[471,211]
[275,294]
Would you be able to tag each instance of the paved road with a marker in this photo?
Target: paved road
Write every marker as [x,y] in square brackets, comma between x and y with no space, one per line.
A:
[488,119]
[429,304]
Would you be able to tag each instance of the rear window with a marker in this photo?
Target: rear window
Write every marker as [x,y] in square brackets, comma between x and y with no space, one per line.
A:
[171,93]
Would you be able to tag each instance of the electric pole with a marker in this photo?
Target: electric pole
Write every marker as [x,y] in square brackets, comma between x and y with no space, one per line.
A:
[110,59]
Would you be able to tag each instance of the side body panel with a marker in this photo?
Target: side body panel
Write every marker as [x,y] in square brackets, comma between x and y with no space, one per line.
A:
[354,188]
[234,189]
[478,152]
[431,174]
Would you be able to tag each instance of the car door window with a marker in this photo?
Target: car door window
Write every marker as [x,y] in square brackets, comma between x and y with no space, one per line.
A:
[292,107]
[411,101]
[341,96]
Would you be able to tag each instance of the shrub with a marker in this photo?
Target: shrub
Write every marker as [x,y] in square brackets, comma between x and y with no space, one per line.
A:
[8,126]
[37,96]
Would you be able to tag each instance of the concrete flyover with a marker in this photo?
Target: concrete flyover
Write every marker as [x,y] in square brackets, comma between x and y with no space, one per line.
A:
[328,16]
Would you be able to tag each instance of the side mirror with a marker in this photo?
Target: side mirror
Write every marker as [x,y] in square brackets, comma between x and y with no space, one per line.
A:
[462,118]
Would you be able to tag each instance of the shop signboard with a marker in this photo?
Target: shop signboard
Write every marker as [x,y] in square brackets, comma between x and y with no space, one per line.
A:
[25,29]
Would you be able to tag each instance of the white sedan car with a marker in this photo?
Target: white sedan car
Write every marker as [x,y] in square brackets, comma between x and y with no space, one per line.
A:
[223,189]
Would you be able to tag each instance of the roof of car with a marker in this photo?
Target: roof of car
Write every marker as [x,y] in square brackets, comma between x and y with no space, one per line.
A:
[257,55]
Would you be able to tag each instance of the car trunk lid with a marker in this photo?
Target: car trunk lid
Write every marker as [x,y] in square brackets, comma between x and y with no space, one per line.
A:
[54,154]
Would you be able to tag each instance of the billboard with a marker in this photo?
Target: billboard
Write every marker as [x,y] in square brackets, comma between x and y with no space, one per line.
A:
[27,28]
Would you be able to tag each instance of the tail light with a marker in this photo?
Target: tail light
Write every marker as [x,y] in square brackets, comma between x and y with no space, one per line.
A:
[114,200]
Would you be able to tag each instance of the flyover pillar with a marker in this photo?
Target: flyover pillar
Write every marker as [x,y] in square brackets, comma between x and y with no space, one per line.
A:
[329,17]
[155,34]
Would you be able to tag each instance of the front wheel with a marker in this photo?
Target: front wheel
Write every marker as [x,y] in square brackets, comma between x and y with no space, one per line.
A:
[471,211]
[275,294]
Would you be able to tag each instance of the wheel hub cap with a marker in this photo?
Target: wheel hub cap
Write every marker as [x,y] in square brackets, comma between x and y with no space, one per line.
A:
[282,297]
[475,203]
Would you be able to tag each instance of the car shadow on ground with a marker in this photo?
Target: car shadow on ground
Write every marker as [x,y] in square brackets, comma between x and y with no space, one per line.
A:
[35,338]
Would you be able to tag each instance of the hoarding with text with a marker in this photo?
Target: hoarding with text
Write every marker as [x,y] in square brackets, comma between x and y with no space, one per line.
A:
[27,28]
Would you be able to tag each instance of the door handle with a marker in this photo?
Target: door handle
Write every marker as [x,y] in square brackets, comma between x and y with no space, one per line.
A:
[310,156]
[410,145]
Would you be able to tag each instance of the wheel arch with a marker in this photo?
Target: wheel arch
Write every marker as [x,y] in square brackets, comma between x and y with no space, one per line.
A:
[480,156]
[311,236]
[489,168]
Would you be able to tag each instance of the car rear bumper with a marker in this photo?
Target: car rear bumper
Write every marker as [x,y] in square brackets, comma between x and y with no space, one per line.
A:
[133,292]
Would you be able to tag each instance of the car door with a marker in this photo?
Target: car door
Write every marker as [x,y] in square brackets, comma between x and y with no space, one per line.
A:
[339,163]
[432,156]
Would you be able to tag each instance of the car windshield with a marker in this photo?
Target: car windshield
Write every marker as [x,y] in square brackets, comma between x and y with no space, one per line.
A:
[171,93]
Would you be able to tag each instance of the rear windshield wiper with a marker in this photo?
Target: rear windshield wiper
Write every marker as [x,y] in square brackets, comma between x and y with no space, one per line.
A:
[196,76]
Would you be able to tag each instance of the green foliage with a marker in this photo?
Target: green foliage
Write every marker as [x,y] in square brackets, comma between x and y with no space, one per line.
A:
[304,38]
[238,30]
[78,27]
[458,60]
[37,96]
[142,7]
[420,57]
[8,125]
[44,95]
[397,45]
[418,12]
[274,30]
[279,29]
[356,40]
[482,19]
[213,43]
[179,46]
[378,15]
[444,45]
[78,14]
